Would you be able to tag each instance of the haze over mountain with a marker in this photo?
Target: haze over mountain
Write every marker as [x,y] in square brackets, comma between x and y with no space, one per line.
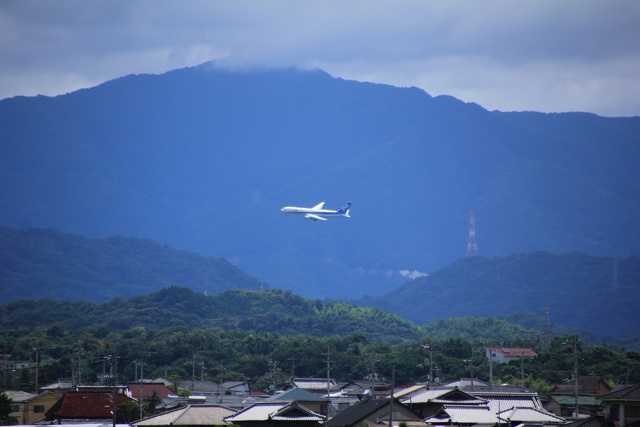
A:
[203,159]
[574,290]
[578,291]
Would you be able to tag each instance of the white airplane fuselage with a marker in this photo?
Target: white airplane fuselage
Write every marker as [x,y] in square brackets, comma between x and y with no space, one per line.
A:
[317,213]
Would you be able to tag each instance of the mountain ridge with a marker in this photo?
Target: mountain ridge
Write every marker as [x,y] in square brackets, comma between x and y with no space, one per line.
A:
[574,290]
[202,159]
[577,291]
[41,263]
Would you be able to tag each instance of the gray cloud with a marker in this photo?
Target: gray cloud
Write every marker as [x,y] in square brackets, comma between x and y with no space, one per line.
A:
[541,55]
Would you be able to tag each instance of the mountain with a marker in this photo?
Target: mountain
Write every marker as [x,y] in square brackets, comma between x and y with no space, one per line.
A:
[269,310]
[44,263]
[203,158]
[577,291]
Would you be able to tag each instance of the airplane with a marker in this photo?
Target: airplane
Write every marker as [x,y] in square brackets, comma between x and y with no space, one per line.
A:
[317,213]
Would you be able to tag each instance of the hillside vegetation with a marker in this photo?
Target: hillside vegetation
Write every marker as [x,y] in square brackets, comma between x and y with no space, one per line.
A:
[269,310]
[45,263]
[203,159]
[75,336]
[578,292]
[581,293]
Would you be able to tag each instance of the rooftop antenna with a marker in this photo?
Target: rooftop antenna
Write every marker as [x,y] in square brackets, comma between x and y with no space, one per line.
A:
[472,247]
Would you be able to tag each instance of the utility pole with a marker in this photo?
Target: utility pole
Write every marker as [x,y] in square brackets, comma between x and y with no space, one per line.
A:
[575,373]
[522,367]
[37,349]
[490,366]
[429,347]
[469,364]
[328,380]
[373,376]
[393,381]
[141,384]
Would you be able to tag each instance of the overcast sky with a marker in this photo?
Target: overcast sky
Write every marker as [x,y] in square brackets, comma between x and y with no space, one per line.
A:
[509,55]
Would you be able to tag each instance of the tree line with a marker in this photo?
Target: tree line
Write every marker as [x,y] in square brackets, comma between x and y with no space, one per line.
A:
[180,354]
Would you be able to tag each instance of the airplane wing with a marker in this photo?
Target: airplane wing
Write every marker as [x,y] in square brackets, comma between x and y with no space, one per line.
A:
[318,206]
[314,217]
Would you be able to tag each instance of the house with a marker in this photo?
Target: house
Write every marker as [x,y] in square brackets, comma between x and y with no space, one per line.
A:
[430,401]
[587,385]
[530,417]
[507,405]
[594,421]
[506,355]
[502,398]
[85,405]
[562,400]
[205,388]
[200,415]
[464,415]
[59,387]
[311,401]
[37,405]
[622,407]
[18,399]
[409,392]
[564,405]
[465,383]
[239,388]
[373,411]
[314,385]
[358,388]
[141,390]
[274,414]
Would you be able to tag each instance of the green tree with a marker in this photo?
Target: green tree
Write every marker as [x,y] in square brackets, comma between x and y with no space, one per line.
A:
[128,411]
[5,410]
[152,401]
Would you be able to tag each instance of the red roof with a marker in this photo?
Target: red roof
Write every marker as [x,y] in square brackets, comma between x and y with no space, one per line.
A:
[514,352]
[82,404]
[148,388]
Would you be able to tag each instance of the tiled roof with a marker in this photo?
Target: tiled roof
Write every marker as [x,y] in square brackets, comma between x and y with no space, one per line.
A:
[200,415]
[299,395]
[275,411]
[357,412]
[463,414]
[499,405]
[595,421]
[85,405]
[197,386]
[569,400]
[19,396]
[627,393]
[441,395]
[530,415]
[148,388]
[313,383]
[399,394]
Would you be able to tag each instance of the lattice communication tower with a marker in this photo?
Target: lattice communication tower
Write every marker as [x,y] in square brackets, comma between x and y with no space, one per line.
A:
[472,246]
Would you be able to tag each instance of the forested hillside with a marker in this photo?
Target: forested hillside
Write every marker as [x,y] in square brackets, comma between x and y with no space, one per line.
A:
[269,310]
[577,291]
[203,159]
[45,263]
[179,353]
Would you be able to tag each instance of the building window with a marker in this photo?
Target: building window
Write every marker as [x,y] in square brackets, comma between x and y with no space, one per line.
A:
[15,408]
[38,409]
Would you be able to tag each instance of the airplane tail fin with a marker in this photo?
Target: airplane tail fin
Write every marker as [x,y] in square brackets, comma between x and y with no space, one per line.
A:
[345,209]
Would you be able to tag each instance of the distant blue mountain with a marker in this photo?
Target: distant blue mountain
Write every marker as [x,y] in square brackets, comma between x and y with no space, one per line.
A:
[203,159]
[576,291]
